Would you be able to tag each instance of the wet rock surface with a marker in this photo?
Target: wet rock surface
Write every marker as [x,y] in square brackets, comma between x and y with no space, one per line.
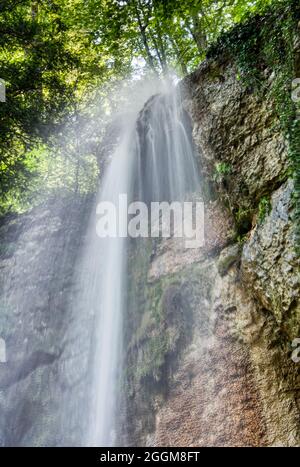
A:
[231,381]
[271,266]
[235,127]
[208,347]
[37,262]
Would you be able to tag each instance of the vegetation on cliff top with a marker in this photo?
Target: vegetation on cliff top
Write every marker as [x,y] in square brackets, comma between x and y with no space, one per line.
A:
[266,50]
[60,57]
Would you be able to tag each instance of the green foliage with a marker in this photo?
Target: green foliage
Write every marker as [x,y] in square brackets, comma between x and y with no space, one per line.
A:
[59,56]
[264,208]
[263,48]
[50,66]
[222,169]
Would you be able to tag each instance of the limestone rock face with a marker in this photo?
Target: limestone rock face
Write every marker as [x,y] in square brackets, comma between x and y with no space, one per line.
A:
[43,368]
[228,379]
[209,395]
[170,255]
[270,265]
[208,332]
[214,373]
[228,257]
[235,127]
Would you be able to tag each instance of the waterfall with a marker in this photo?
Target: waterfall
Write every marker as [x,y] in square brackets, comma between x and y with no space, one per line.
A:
[167,169]
[104,286]
[154,161]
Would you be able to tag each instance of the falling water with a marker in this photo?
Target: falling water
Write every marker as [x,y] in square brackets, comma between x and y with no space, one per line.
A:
[154,161]
[105,284]
[69,321]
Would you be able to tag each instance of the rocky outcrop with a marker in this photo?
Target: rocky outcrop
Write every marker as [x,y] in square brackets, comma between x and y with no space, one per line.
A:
[43,368]
[208,331]
[236,128]
[209,395]
[224,377]
[270,264]
[171,255]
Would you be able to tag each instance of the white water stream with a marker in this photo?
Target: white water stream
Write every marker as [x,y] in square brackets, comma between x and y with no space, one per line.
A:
[153,161]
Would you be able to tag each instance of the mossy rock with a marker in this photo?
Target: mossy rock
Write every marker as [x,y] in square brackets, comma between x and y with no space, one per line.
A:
[228,257]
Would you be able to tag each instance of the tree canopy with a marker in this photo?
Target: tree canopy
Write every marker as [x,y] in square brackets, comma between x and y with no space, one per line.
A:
[57,57]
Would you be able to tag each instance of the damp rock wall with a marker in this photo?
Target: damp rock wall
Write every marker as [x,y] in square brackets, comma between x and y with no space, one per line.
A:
[209,355]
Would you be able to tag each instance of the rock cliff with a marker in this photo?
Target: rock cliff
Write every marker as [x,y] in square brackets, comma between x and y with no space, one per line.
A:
[209,332]
[209,358]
